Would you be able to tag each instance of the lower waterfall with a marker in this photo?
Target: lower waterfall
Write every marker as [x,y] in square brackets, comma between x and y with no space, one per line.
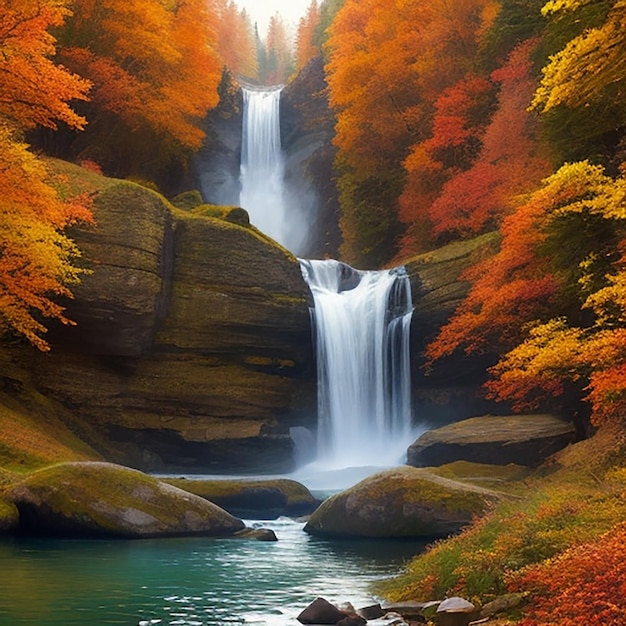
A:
[361,322]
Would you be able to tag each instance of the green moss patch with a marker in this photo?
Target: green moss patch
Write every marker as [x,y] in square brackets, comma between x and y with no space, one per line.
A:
[107,500]
[278,496]
[406,502]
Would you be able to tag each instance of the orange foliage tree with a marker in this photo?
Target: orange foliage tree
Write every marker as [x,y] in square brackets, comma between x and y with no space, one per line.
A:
[508,164]
[562,253]
[584,585]
[387,63]
[155,73]
[461,113]
[558,351]
[35,256]
[306,39]
[33,89]
[236,44]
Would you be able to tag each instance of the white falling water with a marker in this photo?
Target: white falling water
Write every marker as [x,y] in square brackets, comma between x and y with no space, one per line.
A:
[362,325]
[263,164]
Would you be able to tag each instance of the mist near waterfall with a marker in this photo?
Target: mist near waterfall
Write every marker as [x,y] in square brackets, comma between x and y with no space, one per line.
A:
[272,209]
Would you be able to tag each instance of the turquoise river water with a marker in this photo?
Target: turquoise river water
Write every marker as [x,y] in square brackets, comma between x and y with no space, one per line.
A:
[187,582]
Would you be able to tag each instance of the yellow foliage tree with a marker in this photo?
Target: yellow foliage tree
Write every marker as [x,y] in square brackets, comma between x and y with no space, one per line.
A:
[35,256]
[555,351]
[589,64]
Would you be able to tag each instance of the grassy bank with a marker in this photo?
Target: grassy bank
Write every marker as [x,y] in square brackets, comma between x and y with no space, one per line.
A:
[555,540]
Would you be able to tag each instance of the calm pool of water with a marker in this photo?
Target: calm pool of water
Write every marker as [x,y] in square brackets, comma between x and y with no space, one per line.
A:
[187,582]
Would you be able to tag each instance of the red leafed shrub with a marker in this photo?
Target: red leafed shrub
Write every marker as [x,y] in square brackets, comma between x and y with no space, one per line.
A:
[585,585]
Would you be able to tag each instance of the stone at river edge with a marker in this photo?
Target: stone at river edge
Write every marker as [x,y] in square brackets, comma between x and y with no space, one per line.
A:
[87,499]
[520,439]
[9,516]
[403,502]
[252,499]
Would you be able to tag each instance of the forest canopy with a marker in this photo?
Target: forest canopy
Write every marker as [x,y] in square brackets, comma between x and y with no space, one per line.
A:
[452,119]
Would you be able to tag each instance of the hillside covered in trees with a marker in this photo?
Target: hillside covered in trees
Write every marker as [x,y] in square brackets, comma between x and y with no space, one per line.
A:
[451,120]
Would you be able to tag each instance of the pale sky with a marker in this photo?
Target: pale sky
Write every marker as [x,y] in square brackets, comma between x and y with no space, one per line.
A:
[261,10]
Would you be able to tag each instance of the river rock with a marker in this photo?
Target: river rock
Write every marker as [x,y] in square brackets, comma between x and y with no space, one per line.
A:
[519,439]
[455,611]
[258,534]
[320,611]
[403,502]
[92,499]
[253,499]
[9,516]
[192,349]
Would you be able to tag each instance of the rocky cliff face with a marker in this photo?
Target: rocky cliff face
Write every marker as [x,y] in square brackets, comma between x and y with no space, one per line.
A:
[307,129]
[217,164]
[451,390]
[192,348]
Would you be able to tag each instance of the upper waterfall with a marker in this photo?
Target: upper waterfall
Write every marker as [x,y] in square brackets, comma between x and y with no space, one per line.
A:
[362,326]
[263,169]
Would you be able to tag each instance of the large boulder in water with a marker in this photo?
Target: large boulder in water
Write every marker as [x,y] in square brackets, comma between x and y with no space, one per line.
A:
[192,349]
[250,498]
[520,439]
[404,502]
[85,499]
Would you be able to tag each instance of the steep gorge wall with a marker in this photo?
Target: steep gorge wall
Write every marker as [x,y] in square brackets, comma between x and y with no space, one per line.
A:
[192,348]
[307,129]
[451,389]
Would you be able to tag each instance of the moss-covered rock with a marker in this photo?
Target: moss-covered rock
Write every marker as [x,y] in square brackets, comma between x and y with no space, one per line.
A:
[187,200]
[84,499]
[404,502]
[233,214]
[257,499]
[505,478]
[9,516]
[497,440]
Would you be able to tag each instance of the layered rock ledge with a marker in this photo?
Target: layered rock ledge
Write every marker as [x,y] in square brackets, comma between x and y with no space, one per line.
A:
[520,439]
[192,349]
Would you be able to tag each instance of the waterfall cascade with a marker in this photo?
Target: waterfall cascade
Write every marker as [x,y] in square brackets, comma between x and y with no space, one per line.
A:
[361,319]
[362,325]
[263,164]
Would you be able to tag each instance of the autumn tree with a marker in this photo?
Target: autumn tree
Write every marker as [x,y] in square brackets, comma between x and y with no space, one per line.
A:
[278,50]
[461,114]
[586,349]
[582,89]
[34,90]
[387,64]
[236,42]
[509,162]
[307,46]
[35,255]
[155,72]
[552,299]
